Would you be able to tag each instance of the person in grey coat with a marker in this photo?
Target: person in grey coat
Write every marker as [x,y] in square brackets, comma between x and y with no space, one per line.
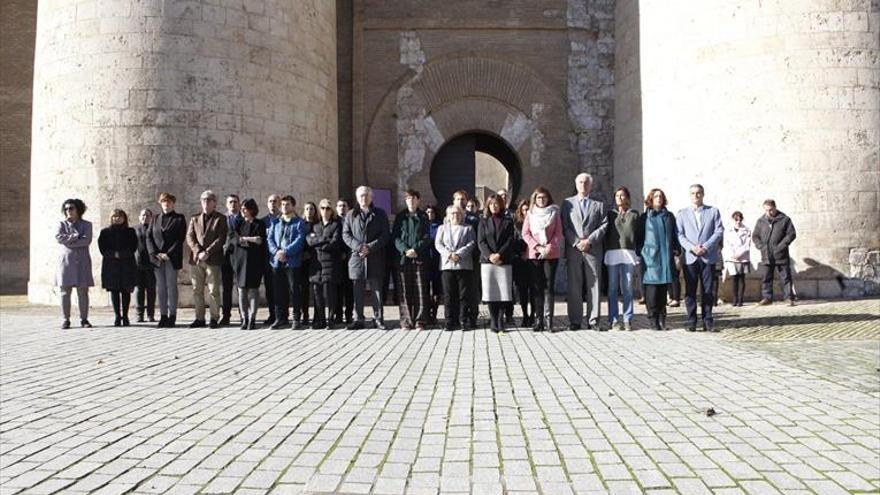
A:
[75,264]
[584,222]
[773,233]
[455,243]
[366,232]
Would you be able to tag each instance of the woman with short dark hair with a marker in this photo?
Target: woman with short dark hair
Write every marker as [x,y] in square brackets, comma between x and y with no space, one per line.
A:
[75,264]
[248,245]
[621,258]
[495,239]
[118,244]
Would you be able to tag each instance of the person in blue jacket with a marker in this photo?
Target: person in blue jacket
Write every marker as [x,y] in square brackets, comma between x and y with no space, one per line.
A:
[286,240]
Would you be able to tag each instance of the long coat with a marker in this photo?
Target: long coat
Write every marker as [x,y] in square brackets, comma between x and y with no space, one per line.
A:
[167,233]
[248,259]
[74,263]
[773,237]
[657,247]
[142,256]
[118,244]
[372,230]
[330,255]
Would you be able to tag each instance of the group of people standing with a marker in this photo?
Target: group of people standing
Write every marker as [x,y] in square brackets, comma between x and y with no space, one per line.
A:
[338,257]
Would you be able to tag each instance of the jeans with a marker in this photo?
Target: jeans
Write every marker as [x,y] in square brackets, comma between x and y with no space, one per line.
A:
[784,270]
[166,288]
[376,292]
[620,279]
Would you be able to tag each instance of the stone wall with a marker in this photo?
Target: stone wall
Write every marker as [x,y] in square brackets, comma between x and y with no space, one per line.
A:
[135,98]
[535,73]
[775,100]
[18,23]
[628,101]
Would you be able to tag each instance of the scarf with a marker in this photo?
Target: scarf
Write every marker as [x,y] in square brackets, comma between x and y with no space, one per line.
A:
[540,219]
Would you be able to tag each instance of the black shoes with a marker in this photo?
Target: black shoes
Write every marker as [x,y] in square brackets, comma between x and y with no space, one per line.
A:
[355,325]
[213,323]
[65,324]
[85,324]
[574,327]
[379,324]
[197,323]
[280,324]
[225,321]
[244,324]
[692,328]
[140,318]
[163,322]
[297,325]
[117,322]
[126,322]
[661,323]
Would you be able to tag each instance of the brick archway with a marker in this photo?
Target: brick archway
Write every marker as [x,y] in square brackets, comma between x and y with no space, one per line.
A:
[451,97]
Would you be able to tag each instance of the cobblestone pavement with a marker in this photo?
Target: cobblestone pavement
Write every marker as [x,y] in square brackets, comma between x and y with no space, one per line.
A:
[796,393]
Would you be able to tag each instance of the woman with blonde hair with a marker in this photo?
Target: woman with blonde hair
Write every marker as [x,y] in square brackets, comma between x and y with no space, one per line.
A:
[455,241]
[117,244]
[327,271]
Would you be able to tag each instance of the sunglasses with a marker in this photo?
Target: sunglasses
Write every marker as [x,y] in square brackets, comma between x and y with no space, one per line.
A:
[326,208]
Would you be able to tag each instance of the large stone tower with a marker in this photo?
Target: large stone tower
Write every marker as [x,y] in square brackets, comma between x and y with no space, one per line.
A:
[755,100]
[135,98]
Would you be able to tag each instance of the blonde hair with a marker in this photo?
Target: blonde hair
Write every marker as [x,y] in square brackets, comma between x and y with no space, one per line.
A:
[326,202]
[448,219]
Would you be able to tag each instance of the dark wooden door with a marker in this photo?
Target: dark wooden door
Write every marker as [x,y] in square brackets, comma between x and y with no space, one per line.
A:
[454,168]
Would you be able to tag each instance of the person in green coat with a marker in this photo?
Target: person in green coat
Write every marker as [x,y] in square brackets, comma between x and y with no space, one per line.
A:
[657,244]
[412,240]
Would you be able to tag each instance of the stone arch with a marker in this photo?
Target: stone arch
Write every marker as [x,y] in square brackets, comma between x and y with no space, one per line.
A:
[451,96]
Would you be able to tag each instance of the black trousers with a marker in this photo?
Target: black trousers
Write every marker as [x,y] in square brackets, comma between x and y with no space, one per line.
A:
[784,270]
[121,300]
[456,292]
[524,293]
[228,276]
[739,288]
[702,273]
[288,285]
[346,299]
[675,286]
[324,294]
[543,282]
[412,293]
[270,291]
[495,314]
[145,292]
[655,300]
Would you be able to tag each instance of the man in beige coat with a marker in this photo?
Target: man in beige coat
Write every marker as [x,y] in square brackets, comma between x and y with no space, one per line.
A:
[205,237]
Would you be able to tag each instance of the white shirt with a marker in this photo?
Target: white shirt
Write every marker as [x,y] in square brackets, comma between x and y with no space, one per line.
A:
[621,257]
[698,214]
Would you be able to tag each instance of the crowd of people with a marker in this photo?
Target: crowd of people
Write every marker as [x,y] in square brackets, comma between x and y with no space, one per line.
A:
[336,257]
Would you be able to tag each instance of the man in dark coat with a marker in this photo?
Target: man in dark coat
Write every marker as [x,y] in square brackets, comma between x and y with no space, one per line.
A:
[366,232]
[412,243]
[773,233]
[233,216]
[273,204]
[145,283]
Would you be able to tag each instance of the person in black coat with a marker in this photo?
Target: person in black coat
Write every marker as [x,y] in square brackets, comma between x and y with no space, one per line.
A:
[327,269]
[118,244]
[495,239]
[773,233]
[310,218]
[521,267]
[345,302]
[247,245]
[165,245]
[145,279]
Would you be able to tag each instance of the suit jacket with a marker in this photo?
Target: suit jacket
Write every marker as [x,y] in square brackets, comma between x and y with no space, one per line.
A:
[577,226]
[167,233]
[142,256]
[709,233]
[373,231]
[209,238]
[496,240]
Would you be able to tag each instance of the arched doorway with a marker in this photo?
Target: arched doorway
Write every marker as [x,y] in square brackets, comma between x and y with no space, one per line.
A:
[478,162]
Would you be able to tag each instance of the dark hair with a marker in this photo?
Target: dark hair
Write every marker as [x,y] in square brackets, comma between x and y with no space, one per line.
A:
[413,193]
[76,203]
[347,203]
[649,199]
[314,217]
[518,214]
[487,212]
[542,190]
[233,195]
[167,197]
[250,204]
[289,199]
[477,201]
[626,192]
[119,213]
[700,186]
[769,202]
[737,215]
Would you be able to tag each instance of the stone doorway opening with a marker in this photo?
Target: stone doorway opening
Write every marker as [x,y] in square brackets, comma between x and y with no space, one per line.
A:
[478,162]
